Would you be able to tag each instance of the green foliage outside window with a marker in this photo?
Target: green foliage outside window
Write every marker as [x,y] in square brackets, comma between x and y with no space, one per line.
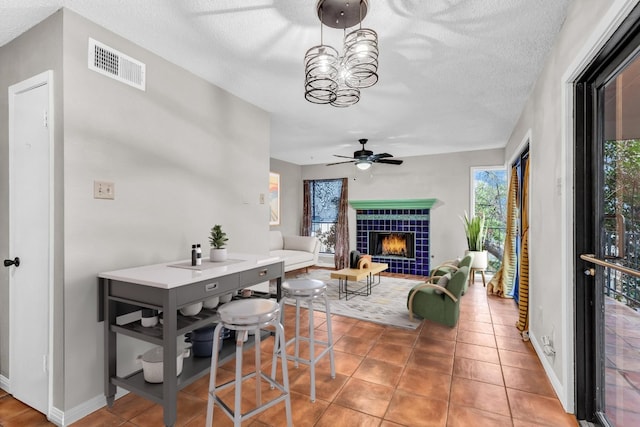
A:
[490,195]
[621,224]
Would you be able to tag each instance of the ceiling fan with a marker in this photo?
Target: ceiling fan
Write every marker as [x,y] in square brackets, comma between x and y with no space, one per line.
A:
[365,158]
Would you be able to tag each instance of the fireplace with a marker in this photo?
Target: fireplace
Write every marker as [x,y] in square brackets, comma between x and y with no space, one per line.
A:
[391,244]
[405,220]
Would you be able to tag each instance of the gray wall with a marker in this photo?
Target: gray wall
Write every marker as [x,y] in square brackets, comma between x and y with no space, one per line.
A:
[184,155]
[545,116]
[36,51]
[445,177]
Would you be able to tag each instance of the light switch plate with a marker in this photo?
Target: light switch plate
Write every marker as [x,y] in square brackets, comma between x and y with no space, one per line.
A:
[103,190]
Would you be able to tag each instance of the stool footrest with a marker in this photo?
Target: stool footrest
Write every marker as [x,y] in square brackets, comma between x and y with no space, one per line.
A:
[230,413]
[233,381]
[315,360]
[307,339]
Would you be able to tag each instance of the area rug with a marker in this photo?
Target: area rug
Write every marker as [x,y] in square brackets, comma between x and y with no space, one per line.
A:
[387,304]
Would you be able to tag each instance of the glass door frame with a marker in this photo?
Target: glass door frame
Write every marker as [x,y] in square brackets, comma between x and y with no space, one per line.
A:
[589,338]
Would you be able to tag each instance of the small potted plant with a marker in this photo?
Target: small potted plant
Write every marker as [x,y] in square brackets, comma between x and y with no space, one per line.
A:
[218,239]
[476,234]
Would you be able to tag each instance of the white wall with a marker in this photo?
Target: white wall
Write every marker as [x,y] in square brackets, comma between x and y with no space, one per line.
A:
[184,155]
[444,177]
[547,118]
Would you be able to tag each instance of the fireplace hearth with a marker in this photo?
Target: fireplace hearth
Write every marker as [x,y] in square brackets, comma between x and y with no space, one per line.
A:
[390,244]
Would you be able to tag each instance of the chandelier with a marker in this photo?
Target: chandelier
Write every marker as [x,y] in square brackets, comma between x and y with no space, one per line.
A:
[336,78]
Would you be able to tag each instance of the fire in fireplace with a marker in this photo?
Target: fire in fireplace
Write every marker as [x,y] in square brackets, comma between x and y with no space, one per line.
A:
[391,244]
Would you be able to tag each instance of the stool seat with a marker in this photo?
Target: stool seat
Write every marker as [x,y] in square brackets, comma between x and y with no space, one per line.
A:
[303,288]
[248,313]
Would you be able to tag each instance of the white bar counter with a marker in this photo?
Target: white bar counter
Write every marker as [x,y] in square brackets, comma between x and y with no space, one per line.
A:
[167,287]
[179,273]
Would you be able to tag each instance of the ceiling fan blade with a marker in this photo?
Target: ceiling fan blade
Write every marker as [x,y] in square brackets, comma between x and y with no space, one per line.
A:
[380,156]
[339,163]
[389,161]
[344,157]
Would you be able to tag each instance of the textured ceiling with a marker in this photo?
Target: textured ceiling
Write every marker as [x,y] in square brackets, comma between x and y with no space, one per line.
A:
[454,74]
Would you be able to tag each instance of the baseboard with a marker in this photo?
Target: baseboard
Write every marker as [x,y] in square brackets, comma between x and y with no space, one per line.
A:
[82,410]
[62,418]
[5,384]
[548,368]
[56,416]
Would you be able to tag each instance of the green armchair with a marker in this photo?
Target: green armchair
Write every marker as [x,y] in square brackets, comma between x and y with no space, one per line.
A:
[434,302]
[451,267]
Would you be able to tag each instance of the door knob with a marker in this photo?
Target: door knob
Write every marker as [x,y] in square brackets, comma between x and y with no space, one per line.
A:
[590,272]
[10,262]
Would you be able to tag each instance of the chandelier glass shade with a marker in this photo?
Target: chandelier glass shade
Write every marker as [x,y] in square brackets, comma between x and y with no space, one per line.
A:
[361,57]
[321,72]
[337,80]
[346,95]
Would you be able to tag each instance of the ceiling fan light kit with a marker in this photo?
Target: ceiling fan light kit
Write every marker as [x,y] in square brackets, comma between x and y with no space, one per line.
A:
[363,165]
[334,79]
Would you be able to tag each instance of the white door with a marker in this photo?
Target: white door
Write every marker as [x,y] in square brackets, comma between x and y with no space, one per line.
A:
[29,239]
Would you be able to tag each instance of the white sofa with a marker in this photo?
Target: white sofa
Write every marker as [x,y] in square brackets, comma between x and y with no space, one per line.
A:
[296,251]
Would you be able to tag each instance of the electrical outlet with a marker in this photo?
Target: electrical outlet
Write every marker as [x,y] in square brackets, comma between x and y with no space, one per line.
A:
[103,190]
[262,198]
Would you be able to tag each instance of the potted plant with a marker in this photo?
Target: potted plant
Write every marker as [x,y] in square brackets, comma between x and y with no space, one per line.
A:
[476,234]
[218,239]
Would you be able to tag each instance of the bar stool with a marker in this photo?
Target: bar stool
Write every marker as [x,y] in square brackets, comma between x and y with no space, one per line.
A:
[306,290]
[243,316]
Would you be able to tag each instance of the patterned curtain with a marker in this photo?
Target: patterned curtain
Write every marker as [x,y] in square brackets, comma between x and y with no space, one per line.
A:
[502,282]
[523,301]
[341,258]
[306,209]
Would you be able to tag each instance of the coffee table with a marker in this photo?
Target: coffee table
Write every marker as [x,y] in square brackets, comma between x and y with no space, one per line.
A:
[356,275]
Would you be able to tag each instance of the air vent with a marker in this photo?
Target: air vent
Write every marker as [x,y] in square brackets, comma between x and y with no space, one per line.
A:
[117,65]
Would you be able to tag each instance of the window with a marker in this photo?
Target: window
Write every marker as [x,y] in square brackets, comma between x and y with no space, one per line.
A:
[490,200]
[325,200]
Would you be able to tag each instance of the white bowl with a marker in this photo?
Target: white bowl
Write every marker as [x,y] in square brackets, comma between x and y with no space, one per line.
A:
[148,322]
[191,309]
[152,366]
[226,298]
[211,302]
[148,317]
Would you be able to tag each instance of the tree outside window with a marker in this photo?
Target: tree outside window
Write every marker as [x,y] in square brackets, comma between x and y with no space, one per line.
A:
[490,200]
[325,201]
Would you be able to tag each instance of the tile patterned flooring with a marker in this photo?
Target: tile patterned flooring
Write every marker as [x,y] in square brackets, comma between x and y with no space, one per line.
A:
[479,373]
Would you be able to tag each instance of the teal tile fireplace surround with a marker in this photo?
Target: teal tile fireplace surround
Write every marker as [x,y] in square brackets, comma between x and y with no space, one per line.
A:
[396,216]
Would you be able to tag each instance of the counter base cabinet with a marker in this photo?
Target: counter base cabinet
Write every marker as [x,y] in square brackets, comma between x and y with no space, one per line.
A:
[193,368]
[125,291]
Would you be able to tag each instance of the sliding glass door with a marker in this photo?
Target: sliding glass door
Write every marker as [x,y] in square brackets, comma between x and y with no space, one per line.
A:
[607,231]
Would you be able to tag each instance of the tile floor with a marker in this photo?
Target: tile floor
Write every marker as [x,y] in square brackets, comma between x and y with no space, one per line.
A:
[479,373]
